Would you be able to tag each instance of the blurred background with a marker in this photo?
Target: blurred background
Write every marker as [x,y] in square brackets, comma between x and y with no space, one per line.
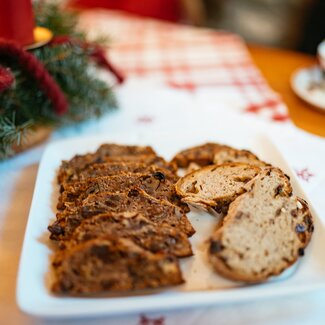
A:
[290,24]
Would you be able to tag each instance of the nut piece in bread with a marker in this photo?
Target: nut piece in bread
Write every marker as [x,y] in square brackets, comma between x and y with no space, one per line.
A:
[112,264]
[265,231]
[215,186]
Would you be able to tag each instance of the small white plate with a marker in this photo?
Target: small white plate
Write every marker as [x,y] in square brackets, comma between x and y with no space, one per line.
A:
[304,83]
[202,287]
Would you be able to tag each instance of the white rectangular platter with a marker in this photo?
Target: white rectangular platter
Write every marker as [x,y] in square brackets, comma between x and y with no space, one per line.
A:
[202,287]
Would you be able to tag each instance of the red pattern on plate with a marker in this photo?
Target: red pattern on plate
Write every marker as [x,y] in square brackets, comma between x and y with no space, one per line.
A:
[188,58]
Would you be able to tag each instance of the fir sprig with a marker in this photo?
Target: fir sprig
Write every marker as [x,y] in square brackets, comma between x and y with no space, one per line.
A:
[12,134]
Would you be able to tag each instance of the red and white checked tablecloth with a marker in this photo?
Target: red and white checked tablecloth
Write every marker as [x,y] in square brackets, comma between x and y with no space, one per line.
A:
[186,58]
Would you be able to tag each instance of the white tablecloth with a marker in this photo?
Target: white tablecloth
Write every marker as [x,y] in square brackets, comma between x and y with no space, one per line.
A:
[144,115]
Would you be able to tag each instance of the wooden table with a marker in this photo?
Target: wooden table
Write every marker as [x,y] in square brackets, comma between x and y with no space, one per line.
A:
[277,66]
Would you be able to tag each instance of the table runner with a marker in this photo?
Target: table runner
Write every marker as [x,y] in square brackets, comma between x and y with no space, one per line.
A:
[186,58]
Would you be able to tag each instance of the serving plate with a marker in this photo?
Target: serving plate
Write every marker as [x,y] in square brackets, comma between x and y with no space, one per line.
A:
[202,287]
[309,84]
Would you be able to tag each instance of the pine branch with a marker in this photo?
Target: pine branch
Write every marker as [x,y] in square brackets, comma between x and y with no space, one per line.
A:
[12,135]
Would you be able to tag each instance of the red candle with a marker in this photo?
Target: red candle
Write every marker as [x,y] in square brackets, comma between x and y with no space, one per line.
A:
[17,21]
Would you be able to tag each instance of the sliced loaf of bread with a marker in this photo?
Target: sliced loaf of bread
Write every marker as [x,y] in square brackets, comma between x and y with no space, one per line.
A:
[265,231]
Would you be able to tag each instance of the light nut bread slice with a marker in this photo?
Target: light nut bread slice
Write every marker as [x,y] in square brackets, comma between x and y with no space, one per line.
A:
[215,186]
[112,264]
[264,232]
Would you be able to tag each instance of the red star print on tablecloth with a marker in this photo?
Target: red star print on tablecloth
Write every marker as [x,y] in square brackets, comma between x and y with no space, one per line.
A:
[304,174]
[144,320]
[144,119]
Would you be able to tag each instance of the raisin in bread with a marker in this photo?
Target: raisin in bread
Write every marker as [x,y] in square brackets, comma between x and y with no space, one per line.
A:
[112,264]
[135,200]
[157,238]
[215,186]
[265,231]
